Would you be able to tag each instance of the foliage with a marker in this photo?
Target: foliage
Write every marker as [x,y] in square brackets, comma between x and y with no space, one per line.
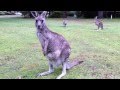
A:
[26,14]
[7,12]
[78,13]
[56,14]
[53,14]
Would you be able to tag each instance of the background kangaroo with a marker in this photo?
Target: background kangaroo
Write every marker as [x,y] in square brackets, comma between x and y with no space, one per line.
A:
[99,23]
[54,46]
[64,23]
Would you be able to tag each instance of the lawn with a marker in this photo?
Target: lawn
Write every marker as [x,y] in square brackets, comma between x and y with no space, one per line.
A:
[21,55]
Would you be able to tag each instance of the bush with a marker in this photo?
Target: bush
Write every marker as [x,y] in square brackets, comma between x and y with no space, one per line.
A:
[79,14]
[2,13]
[7,13]
[26,14]
[71,13]
[90,14]
[56,14]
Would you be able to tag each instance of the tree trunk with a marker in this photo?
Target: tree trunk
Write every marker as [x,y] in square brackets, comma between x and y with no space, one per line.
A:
[64,14]
[115,14]
[100,14]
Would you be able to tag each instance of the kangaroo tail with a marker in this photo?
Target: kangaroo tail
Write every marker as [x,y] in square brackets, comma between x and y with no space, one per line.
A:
[72,64]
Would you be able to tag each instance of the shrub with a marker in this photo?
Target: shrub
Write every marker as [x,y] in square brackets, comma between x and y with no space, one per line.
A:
[56,14]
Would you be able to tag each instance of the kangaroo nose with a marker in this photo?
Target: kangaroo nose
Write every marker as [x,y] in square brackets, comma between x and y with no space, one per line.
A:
[38,27]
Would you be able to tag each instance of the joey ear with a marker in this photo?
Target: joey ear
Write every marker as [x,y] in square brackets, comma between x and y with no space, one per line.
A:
[44,13]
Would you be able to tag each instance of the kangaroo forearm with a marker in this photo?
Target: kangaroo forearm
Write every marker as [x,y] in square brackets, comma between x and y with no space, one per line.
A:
[45,47]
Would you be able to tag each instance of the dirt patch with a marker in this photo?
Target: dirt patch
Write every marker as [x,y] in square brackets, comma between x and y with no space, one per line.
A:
[35,45]
[29,67]
[90,56]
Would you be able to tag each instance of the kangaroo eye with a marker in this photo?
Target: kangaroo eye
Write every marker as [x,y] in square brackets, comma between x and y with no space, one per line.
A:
[36,20]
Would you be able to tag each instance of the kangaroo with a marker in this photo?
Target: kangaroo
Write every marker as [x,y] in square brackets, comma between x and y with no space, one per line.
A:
[54,46]
[98,23]
[64,23]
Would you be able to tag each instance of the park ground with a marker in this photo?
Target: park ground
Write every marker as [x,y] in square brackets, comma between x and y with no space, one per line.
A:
[21,55]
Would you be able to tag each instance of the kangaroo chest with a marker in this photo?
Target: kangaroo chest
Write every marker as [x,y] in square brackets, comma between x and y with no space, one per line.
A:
[41,39]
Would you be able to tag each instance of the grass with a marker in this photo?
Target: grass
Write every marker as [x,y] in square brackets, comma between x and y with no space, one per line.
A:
[20,50]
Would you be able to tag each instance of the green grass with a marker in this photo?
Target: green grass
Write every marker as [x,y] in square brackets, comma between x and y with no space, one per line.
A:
[21,55]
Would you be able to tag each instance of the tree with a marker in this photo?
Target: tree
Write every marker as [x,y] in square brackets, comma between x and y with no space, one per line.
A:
[57,14]
[7,12]
[26,14]
[90,14]
[100,14]
[79,14]
[64,14]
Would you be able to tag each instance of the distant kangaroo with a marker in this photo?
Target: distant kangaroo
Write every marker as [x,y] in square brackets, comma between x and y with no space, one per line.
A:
[54,46]
[64,23]
[99,23]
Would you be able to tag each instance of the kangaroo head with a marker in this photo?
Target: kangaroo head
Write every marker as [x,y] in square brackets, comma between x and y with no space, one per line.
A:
[40,20]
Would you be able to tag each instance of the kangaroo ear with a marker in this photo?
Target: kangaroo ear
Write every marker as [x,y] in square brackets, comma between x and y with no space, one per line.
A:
[44,13]
[34,13]
[96,17]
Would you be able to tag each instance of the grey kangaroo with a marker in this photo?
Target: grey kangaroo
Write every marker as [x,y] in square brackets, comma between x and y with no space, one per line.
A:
[54,47]
[64,23]
[99,23]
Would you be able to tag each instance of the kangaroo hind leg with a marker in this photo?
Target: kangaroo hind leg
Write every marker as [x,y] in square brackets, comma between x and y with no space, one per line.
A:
[51,70]
[63,71]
